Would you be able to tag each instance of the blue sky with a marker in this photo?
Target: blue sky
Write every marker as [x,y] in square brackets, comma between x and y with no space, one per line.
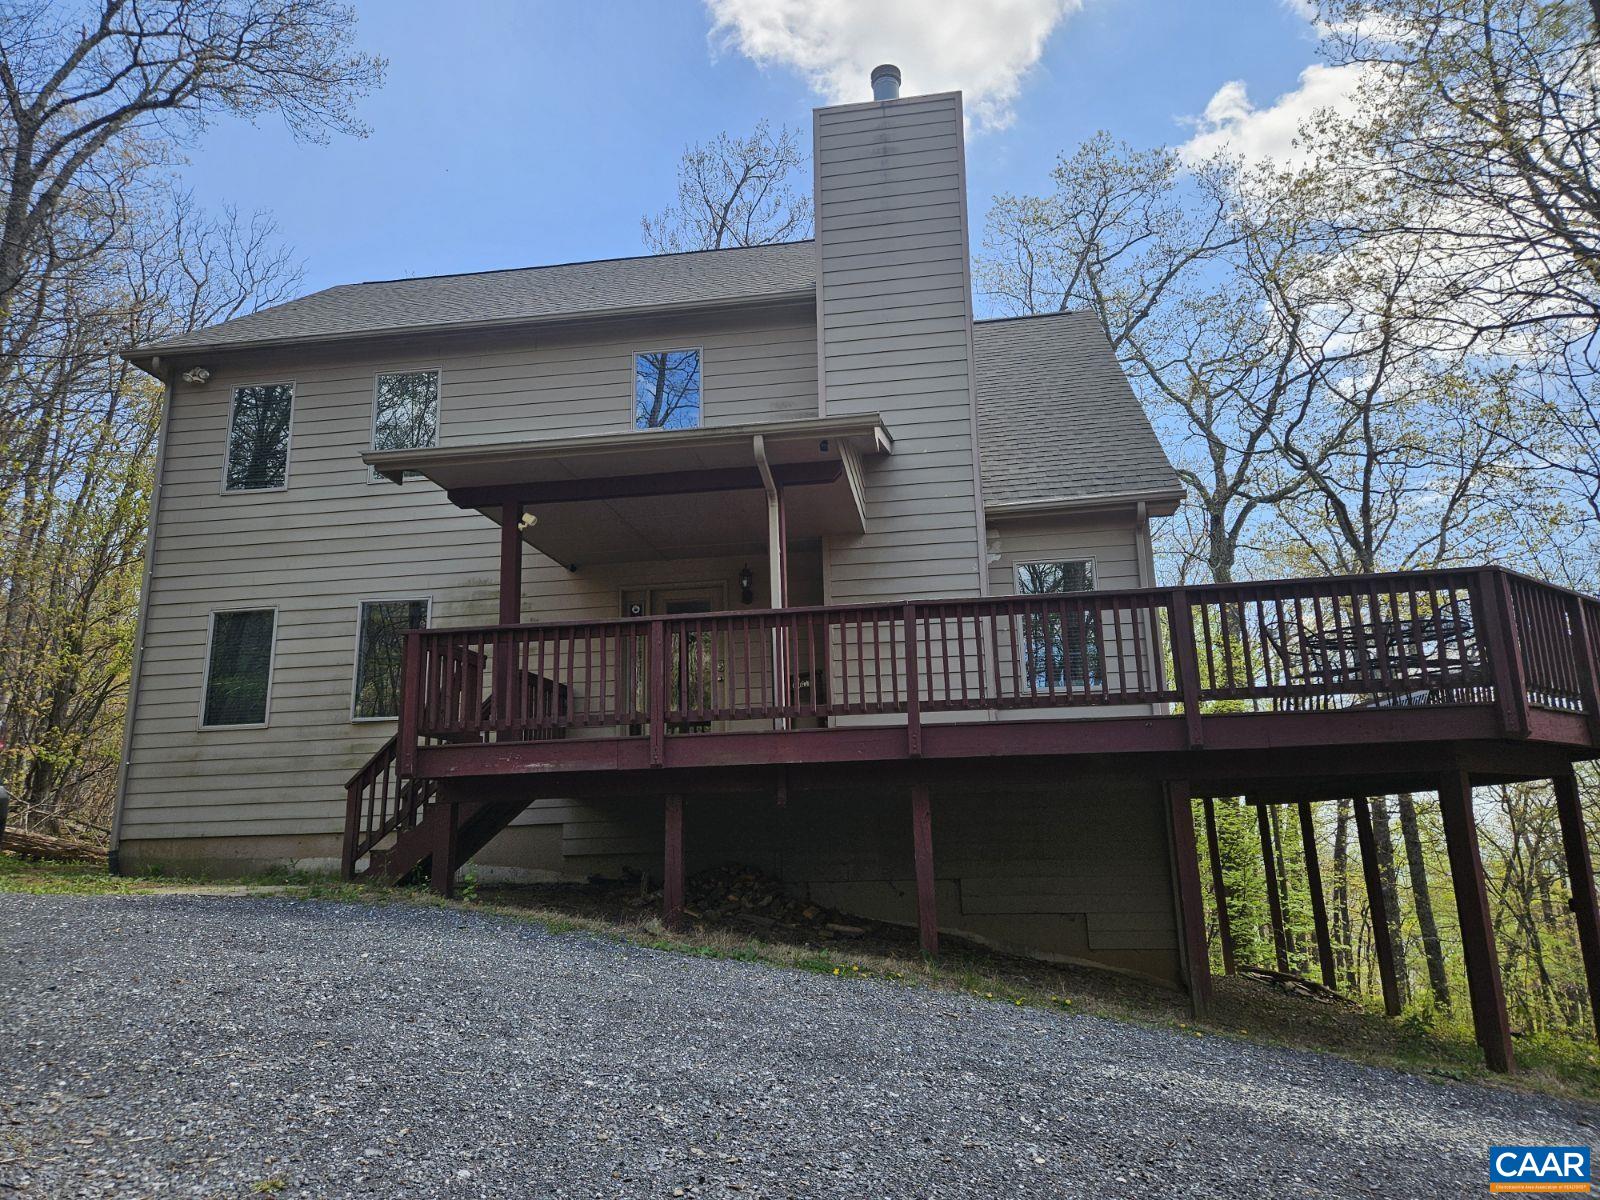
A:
[519,133]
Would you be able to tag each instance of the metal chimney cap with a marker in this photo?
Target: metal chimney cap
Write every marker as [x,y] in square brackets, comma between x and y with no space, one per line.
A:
[886,82]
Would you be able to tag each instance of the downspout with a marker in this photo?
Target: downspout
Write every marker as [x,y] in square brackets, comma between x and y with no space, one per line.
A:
[164,373]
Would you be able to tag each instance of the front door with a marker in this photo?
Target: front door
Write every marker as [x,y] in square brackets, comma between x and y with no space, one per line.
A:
[695,668]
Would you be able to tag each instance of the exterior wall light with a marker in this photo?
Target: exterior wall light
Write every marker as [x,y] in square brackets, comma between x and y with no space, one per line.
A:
[747,583]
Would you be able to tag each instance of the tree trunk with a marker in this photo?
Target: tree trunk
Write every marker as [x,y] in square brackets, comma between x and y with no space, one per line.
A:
[1383,840]
[1422,900]
[1343,943]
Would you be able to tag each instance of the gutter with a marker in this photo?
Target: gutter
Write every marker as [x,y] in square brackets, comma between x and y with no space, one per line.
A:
[162,371]
[1161,503]
[137,355]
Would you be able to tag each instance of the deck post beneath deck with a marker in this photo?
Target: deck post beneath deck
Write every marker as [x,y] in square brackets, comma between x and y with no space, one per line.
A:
[1219,888]
[922,851]
[1319,903]
[1382,947]
[1477,928]
[511,563]
[672,864]
[1580,872]
[1191,907]
[1269,864]
[446,854]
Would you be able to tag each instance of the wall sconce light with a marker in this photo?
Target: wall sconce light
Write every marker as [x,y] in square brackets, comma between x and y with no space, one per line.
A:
[747,583]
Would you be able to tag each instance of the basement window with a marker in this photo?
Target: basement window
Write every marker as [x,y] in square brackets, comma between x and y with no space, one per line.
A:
[238,668]
[1063,646]
[666,389]
[258,438]
[405,412]
[380,649]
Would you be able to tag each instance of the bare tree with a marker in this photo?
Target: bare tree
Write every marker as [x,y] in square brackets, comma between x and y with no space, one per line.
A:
[88,89]
[735,192]
[1160,251]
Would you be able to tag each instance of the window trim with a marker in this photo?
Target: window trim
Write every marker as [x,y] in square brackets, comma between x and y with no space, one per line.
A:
[205,668]
[633,387]
[288,446]
[1018,563]
[355,661]
[372,421]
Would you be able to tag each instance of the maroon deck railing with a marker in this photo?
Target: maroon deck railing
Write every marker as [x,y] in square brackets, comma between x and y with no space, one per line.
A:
[1471,636]
[1476,636]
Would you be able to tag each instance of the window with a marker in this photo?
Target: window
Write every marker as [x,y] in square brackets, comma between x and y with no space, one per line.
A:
[405,413]
[380,644]
[666,389]
[258,438]
[1064,645]
[239,667]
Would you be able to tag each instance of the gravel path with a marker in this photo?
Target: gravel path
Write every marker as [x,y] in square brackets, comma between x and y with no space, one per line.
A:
[197,1046]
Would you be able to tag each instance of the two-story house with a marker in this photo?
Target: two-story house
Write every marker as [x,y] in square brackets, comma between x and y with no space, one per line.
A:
[771,555]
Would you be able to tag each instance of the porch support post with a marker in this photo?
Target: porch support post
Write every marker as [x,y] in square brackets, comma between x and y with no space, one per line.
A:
[1580,871]
[672,865]
[1477,929]
[1191,909]
[511,562]
[1269,865]
[777,574]
[1219,889]
[446,848]
[1319,906]
[922,851]
[1382,947]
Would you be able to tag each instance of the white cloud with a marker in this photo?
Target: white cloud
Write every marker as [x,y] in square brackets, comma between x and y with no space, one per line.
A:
[984,50]
[1234,124]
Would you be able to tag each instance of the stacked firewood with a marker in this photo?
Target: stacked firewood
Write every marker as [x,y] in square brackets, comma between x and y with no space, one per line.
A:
[743,896]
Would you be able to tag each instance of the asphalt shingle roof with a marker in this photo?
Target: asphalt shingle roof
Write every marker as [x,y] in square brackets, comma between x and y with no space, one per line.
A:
[1057,418]
[525,294]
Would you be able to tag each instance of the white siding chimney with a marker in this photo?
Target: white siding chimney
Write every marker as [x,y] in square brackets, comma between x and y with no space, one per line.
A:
[894,322]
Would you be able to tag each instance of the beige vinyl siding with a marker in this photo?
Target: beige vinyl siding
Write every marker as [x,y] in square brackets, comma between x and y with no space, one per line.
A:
[332,539]
[895,338]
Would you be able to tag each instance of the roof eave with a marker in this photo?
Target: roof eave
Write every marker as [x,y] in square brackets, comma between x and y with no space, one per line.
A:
[141,356]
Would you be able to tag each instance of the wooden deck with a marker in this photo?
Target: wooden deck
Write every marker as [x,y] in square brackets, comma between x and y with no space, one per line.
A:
[1287,691]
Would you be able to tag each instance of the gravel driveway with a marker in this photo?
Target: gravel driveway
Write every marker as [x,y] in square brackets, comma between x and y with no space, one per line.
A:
[231,1047]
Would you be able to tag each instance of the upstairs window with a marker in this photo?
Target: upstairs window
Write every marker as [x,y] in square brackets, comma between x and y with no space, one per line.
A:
[258,438]
[239,667]
[666,389]
[405,413]
[1063,646]
[380,647]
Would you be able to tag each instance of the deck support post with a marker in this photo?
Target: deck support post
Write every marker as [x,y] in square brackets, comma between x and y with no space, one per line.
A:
[1219,889]
[446,849]
[922,851]
[511,563]
[1580,872]
[672,864]
[1477,928]
[1382,947]
[1269,864]
[1319,903]
[1191,907]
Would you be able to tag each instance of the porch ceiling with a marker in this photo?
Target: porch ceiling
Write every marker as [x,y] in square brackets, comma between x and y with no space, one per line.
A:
[659,493]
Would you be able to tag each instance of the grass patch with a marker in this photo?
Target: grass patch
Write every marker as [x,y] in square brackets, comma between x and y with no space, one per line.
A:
[1245,1009]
